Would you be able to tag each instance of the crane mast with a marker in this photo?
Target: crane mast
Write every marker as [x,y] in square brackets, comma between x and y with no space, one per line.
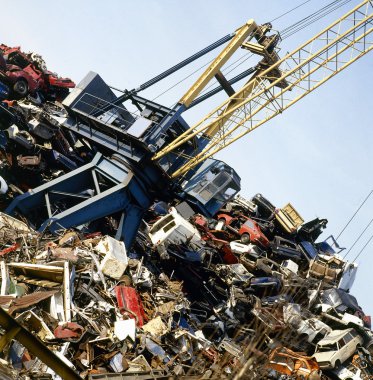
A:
[263,97]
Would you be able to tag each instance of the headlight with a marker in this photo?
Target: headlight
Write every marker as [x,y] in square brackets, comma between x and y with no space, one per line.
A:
[324,364]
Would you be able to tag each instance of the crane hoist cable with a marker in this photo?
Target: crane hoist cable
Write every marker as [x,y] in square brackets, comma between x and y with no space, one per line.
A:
[285,33]
[288,32]
[290,10]
[213,46]
[309,66]
[205,64]
[313,17]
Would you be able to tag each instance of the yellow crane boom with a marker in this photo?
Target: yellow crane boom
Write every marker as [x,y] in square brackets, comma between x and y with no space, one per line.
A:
[267,95]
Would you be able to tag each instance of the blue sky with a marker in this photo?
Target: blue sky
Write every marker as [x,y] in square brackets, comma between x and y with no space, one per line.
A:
[317,155]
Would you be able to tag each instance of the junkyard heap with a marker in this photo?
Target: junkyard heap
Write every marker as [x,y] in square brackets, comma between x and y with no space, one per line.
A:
[247,292]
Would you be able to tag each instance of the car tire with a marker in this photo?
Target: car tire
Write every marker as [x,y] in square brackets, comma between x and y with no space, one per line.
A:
[21,87]
[245,238]
[337,364]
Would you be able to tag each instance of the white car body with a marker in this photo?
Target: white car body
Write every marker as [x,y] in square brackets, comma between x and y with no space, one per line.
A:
[313,327]
[241,248]
[348,276]
[3,186]
[336,347]
[174,229]
[345,374]
[308,327]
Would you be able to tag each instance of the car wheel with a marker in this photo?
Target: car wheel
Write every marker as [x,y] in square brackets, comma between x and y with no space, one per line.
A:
[21,87]
[337,364]
[245,238]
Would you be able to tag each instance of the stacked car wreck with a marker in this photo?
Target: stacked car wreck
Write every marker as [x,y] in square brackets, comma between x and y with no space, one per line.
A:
[251,291]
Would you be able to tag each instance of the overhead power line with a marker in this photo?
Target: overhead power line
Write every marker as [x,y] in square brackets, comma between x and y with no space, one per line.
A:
[358,238]
[362,249]
[353,216]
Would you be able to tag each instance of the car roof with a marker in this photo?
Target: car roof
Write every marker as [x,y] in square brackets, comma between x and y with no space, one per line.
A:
[333,336]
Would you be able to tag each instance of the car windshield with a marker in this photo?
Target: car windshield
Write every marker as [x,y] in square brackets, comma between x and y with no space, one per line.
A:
[329,347]
[249,224]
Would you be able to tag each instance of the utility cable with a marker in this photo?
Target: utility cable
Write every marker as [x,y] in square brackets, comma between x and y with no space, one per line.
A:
[362,249]
[353,216]
[358,238]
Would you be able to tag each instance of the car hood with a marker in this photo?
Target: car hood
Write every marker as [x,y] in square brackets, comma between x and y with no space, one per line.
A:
[323,356]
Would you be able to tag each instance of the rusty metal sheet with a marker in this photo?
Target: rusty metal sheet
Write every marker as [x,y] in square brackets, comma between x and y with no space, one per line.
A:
[30,299]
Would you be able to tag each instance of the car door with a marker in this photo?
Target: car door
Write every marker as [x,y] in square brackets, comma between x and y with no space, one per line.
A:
[342,353]
[348,345]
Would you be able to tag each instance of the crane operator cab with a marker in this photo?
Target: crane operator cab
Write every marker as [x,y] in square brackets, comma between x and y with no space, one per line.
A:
[212,186]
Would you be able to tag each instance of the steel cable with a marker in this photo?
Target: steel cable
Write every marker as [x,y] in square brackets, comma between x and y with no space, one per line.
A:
[285,33]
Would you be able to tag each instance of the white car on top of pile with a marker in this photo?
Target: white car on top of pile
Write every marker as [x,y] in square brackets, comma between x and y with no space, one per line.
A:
[336,347]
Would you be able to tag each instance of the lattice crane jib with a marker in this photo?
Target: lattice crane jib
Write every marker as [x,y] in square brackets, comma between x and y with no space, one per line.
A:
[275,88]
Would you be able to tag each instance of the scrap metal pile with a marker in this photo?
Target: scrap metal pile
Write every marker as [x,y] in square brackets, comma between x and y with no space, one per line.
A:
[250,293]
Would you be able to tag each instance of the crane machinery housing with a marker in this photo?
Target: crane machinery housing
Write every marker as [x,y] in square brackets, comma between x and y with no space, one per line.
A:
[156,155]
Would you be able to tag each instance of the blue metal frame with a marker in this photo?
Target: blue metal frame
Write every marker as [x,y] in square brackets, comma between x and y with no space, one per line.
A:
[132,180]
[127,194]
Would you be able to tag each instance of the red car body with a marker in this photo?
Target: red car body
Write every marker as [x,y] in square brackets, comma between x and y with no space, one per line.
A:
[26,76]
[32,77]
[56,81]
[251,229]
[216,238]
[247,228]
[129,304]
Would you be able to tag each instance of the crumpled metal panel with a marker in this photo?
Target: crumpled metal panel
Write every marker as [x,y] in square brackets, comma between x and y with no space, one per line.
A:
[130,304]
